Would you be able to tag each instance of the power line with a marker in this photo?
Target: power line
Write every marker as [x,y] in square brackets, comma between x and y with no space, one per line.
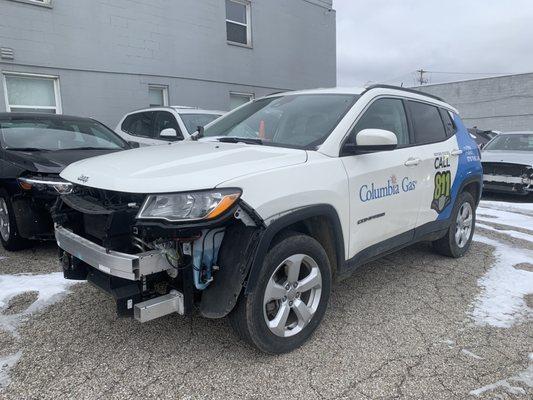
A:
[468,73]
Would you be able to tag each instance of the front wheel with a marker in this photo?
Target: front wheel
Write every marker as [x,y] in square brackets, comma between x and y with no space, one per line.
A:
[290,298]
[9,235]
[459,236]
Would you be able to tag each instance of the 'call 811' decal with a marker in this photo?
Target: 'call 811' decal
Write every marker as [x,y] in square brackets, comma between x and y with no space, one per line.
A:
[443,183]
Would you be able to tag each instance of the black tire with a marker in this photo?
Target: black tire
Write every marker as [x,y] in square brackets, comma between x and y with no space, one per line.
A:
[13,241]
[248,317]
[448,245]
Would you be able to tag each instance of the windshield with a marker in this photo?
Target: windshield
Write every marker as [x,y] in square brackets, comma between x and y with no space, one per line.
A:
[193,121]
[302,121]
[42,133]
[514,142]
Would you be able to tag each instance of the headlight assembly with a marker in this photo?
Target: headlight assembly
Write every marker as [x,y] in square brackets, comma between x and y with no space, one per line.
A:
[43,184]
[190,206]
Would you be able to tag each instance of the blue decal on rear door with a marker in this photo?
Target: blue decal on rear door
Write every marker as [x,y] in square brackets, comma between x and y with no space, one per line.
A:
[469,165]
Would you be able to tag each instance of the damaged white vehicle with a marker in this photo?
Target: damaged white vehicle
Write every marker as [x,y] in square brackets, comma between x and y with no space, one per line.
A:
[272,202]
[508,163]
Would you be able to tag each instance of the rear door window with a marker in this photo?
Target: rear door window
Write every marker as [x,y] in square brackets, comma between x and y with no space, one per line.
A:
[140,124]
[427,122]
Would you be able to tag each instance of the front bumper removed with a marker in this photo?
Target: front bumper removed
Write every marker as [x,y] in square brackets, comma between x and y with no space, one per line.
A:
[120,274]
[122,265]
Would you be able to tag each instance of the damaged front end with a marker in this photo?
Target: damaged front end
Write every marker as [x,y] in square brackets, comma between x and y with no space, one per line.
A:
[158,254]
[507,177]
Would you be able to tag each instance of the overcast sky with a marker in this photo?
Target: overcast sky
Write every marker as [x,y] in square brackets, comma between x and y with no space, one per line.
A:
[387,40]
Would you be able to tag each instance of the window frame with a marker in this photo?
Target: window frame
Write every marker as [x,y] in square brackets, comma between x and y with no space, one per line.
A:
[410,124]
[164,90]
[248,24]
[58,108]
[251,97]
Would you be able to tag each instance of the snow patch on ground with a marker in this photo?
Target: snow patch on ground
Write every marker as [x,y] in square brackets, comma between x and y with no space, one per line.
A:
[502,304]
[6,363]
[514,234]
[524,208]
[505,218]
[524,377]
[470,354]
[51,288]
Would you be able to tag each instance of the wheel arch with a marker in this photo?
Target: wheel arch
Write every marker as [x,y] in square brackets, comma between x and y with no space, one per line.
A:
[309,220]
[473,185]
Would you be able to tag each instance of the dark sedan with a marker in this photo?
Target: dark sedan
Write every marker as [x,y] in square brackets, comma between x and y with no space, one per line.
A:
[34,150]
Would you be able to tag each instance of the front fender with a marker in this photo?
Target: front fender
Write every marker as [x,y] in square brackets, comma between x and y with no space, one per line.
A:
[285,221]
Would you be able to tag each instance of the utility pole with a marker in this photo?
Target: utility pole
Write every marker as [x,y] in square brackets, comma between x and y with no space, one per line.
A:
[421,79]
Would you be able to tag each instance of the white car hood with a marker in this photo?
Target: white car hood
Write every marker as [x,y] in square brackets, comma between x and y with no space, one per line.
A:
[182,166]
[513,157]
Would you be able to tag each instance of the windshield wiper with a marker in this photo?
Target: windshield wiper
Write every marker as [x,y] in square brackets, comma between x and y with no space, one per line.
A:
[231,139]
[87,148]
[26,149]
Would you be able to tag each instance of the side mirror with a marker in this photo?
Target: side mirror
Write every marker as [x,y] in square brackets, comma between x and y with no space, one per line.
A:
[371,141]
[134,145]
[481,145]
[168,133]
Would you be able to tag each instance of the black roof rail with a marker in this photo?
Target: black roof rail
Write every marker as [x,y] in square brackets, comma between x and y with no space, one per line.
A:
[381,86]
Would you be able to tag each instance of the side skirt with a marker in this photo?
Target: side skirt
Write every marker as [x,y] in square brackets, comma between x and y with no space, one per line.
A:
[427,232]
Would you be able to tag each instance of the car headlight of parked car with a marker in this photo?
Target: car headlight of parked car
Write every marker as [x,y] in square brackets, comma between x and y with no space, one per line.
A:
[189,206]
[44,184]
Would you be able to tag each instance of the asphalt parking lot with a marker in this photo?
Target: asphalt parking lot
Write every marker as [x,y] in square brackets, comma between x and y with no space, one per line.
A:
[412,325]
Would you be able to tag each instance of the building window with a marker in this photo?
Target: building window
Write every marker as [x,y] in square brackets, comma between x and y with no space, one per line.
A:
[238,28]
[158,95]
[32,93]
[238,99]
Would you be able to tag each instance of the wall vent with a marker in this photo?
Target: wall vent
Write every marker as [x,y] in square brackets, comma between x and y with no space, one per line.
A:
[7,53]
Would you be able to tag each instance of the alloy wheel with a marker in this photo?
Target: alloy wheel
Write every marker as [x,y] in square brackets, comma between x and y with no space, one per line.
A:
[4,220]
[464,223]
[292,295]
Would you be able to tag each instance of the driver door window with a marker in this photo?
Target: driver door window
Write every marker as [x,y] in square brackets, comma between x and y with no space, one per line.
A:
[165,120]
[387,114]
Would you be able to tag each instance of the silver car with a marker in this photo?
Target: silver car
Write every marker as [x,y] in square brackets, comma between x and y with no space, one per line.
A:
[508,163]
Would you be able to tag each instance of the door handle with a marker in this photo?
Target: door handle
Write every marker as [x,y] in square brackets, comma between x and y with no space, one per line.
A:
[412,162]
[456,152]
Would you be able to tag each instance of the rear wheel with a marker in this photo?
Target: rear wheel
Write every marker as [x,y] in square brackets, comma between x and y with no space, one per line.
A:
[290,298]
[9,234]
[459,236]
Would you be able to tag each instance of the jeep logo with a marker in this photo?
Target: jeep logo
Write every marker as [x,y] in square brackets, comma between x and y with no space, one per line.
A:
[83,178]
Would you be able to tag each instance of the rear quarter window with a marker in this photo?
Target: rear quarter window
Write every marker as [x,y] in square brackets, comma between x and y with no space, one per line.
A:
[427,122]
[449,125]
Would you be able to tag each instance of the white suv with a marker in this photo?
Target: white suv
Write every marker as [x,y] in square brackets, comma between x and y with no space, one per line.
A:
[280,197]
[159,125]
